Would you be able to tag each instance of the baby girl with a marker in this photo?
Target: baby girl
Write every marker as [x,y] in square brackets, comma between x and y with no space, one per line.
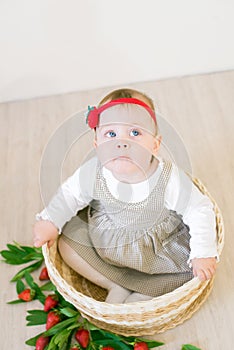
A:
[130,221]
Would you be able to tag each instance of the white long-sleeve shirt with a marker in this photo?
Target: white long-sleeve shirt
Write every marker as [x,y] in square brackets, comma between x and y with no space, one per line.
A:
[181,195]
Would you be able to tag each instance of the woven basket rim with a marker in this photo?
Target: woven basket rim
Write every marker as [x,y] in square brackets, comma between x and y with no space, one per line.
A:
[179,300]
[194,283]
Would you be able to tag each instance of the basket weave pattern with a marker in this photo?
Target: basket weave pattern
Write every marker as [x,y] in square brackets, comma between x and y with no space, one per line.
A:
[139,318]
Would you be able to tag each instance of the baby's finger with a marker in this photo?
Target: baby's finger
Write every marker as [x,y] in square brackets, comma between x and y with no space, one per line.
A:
[38,243]
[213,268]
[201,275]
[212,271]
[50,243]
[208,274]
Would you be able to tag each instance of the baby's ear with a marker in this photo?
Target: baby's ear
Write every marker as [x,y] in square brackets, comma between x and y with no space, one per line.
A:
[157,143]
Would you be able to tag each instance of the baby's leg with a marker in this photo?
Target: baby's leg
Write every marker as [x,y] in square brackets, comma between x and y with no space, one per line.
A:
[116,293]
[133,297]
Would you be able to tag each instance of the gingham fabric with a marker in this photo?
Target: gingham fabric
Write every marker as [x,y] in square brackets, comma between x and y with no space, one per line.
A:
[141,246]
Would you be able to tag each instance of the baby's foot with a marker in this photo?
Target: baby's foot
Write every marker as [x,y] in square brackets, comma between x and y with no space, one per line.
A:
[133,297]
[117,295]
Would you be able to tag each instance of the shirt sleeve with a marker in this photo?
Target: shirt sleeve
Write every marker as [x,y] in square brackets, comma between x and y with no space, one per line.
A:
[197,212]
[73,195]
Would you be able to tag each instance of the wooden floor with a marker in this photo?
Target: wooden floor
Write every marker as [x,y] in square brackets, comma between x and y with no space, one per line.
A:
[201,110]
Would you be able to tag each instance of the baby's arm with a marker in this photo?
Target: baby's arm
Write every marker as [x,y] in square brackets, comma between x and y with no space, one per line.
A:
[74,194]
[204,268]
[44,231]
[197,212]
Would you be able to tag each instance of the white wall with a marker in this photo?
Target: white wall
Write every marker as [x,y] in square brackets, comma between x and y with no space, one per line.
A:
[57,46]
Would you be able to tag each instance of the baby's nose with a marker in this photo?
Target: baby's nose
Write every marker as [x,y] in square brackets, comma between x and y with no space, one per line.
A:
[122,144]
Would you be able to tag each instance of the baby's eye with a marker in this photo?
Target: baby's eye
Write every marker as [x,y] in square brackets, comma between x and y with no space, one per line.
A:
[110,134]
[134,132]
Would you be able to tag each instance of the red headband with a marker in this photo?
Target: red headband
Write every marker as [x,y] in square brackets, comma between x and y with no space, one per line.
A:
[94,112]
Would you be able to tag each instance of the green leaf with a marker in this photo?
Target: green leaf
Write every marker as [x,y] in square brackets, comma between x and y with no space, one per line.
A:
[74,325]
[52,345]
[41,298]
[48,286]
[60,326]
[32,341]
[63,302]
[15,249]
[18,255]
[130,339]
[39,295]
[150,343]
[29,280]
[17,301]
[92,327]
[69,312]
[20,286]
[26,269]
[117,345]
[101,334]
[36,317]
[61,338]
[32,257]
[189,347]
[30,250]
[11,258]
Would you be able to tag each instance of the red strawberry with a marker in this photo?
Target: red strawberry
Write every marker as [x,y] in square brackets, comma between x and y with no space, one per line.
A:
[52,319]
[108,348]
[50,302]
[27,295]
[75,348]
[82,336]
[42,342]
[44,275]
[141,346]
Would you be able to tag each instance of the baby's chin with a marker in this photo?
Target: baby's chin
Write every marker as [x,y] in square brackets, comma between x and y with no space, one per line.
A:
[124,169]
[121,165]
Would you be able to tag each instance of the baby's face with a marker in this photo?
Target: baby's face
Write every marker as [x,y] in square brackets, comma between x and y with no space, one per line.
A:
[125,142]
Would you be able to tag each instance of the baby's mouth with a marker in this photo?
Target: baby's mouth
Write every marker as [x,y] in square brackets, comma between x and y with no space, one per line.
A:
[123,158]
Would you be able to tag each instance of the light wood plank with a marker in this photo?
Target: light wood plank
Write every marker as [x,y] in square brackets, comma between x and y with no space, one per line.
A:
[201,109]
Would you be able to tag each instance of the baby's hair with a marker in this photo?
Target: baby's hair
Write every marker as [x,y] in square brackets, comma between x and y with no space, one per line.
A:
[128,93]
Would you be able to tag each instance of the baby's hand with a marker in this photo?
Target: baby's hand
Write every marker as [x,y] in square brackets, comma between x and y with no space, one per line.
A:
[204,268]
[44,231]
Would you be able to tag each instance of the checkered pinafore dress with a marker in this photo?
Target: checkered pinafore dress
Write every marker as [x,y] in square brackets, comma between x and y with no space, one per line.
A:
[142,246]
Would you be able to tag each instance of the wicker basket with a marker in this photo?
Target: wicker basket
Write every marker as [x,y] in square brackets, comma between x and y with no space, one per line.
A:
[139,318]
